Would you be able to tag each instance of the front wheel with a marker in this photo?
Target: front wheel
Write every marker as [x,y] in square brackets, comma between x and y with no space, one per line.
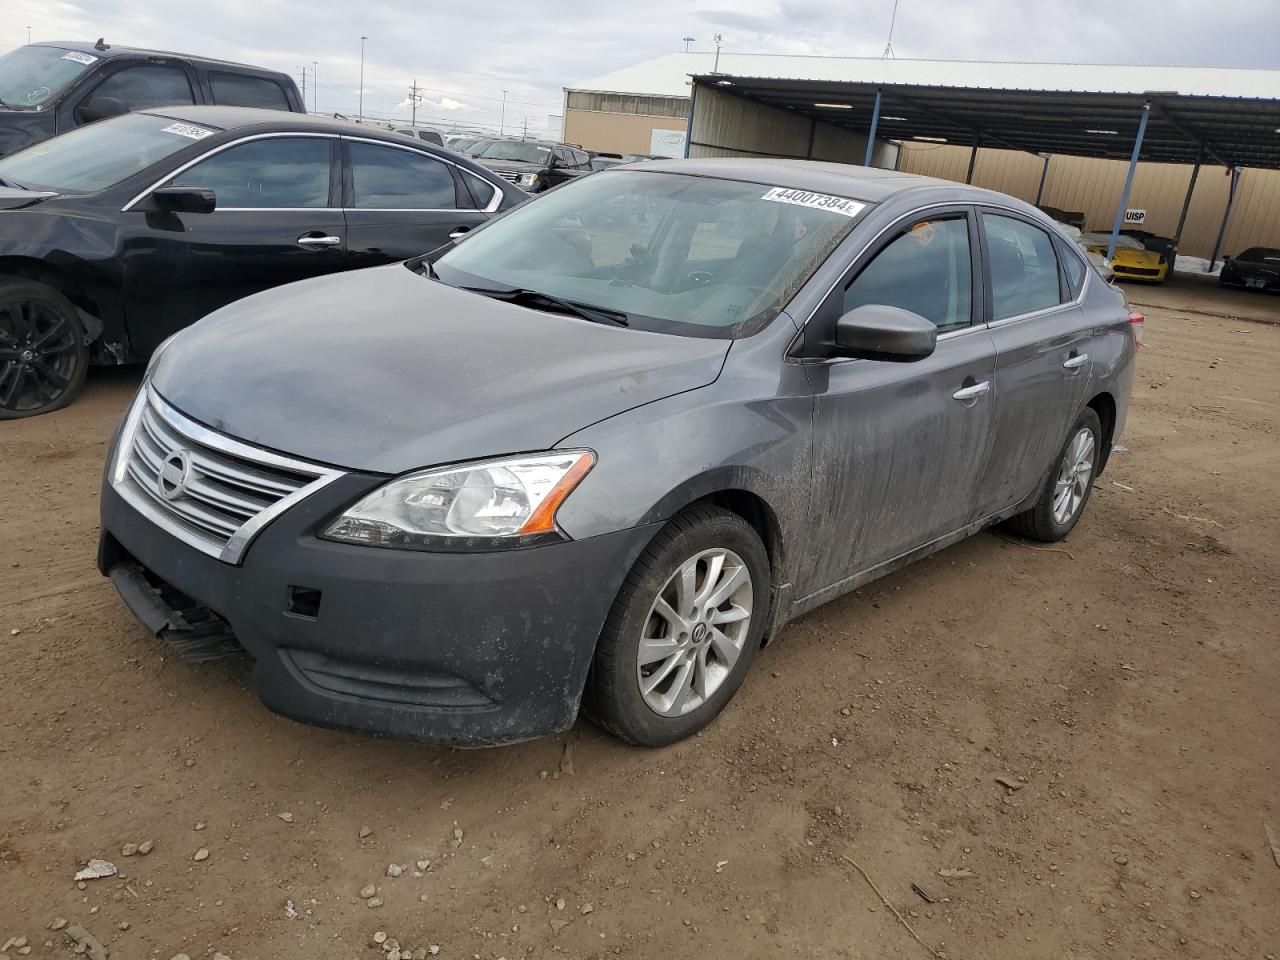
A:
[683,630]
[1066,490]
[43,354]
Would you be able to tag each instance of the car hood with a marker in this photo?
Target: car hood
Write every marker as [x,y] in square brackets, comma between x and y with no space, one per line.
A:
[386,371]
[1136,258]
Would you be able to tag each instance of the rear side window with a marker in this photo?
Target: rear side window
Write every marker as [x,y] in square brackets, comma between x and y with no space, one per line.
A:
[1024,267]
[289,172]
[1075,269]
[482,190]
[236,90]
[385,178]
[142,87]
[928,269]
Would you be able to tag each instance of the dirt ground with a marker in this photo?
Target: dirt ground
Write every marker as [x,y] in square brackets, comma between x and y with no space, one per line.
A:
[1129,678]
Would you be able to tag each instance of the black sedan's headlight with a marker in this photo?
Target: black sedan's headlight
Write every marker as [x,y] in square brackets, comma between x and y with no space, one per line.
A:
[487,505]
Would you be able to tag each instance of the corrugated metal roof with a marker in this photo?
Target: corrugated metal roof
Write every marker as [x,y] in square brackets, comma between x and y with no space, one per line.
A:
[669,76]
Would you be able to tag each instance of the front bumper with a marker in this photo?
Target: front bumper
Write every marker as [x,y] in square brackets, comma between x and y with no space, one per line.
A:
[465,649]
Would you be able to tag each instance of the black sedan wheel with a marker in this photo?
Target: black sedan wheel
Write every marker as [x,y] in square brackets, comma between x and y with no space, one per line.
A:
[43,354]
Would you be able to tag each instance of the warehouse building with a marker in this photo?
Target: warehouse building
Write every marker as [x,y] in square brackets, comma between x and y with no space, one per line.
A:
[1058,134]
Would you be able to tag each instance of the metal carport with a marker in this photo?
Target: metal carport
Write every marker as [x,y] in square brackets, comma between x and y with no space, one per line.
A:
[852,109]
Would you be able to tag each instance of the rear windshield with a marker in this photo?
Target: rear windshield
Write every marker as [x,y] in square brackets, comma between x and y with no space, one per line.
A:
[1261,255]
[92,158]
[514,150]
[31,77]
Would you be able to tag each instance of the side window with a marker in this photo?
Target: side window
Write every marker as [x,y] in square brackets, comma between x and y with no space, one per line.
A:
[385,178]
[141,87]
[1024,267]
[563,157]
[234,90]
[928,269]
[582,159]
[482,190]
[1075,269]
[287,172]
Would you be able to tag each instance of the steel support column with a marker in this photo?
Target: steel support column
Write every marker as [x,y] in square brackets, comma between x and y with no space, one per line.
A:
[1222,230]
[1186,206]
[1044,175]
[688,130]
[871,134]
[1128,182]
[813,132]
[973,158]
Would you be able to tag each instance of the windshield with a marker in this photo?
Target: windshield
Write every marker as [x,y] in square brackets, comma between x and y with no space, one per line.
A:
[30,77]
[514,150]
[1261,255]
[675,254]
[100,155]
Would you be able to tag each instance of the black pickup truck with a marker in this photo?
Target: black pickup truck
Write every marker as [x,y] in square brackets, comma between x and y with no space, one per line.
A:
[50,88]
[534,165]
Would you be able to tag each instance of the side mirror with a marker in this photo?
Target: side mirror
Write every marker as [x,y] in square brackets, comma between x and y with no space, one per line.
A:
[1225,258]
[185,199]
[100,108]
[878,332]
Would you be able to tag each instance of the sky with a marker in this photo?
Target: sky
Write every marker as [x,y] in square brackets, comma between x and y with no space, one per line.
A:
[464,55]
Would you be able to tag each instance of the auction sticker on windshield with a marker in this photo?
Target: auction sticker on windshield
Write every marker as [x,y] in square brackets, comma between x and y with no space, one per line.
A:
[819,201]
[79,57]
[189,130]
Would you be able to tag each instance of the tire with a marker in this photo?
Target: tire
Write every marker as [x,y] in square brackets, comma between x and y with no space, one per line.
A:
[1045,522]
[43,353]
[714,542]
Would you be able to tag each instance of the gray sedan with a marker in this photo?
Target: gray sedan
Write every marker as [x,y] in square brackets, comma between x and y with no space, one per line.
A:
[597,453]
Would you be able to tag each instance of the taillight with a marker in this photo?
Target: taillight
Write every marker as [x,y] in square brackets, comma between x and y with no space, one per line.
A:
[1136,321]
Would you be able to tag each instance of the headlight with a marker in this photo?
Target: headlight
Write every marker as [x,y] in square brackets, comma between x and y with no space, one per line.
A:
[528,180]
[510,502]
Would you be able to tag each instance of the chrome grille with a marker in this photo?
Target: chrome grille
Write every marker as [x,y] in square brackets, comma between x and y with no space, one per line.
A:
[508,175]
[209,490]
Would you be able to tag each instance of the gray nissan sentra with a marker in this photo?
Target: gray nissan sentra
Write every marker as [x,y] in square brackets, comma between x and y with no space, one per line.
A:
[599,451]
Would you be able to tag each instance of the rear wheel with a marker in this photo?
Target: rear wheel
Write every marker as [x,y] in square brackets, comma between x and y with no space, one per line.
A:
[1066,490]
[683,630]
[43,354]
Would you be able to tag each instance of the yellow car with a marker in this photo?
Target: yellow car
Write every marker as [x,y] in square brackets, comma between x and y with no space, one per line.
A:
[1132,261]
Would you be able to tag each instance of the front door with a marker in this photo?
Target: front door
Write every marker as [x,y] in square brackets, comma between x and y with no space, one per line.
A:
[899,447]
[1042,356]
[276,222]
[402,202]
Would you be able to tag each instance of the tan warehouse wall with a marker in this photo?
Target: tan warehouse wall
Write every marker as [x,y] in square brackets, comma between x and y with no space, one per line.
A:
[1094,186]
[615,132]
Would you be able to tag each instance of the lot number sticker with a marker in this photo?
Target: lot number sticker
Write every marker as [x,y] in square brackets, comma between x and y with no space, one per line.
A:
[819,201]
[78,57]
[188,130]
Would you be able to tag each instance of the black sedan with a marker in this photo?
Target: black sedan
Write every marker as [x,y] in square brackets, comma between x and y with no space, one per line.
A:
[116,235]
[1258,268]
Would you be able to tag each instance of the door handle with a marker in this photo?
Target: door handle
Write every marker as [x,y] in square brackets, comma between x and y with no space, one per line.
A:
[318,242]
[1076,362]
[460,233]
[974,392]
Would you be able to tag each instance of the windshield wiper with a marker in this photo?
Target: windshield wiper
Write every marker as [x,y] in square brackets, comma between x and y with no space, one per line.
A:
[532,297]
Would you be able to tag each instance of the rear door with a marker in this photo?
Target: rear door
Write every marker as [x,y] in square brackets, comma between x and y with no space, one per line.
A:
[400,202]
[1042,353]
[899,447]
[277,221]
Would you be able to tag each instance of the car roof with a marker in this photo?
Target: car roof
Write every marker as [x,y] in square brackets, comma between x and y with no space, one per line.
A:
[840,179]
[114,51]
[234,118]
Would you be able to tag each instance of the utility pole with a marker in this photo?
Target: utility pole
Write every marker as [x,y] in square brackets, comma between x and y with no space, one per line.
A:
[304,87]
[687,41]
[414,100]
[525,134]
[719,41]
[502,120]
[360,109]
[315,86]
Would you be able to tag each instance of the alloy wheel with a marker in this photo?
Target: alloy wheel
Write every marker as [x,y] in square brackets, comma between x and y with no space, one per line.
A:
[1074,476]
[695,632]
[38,355]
